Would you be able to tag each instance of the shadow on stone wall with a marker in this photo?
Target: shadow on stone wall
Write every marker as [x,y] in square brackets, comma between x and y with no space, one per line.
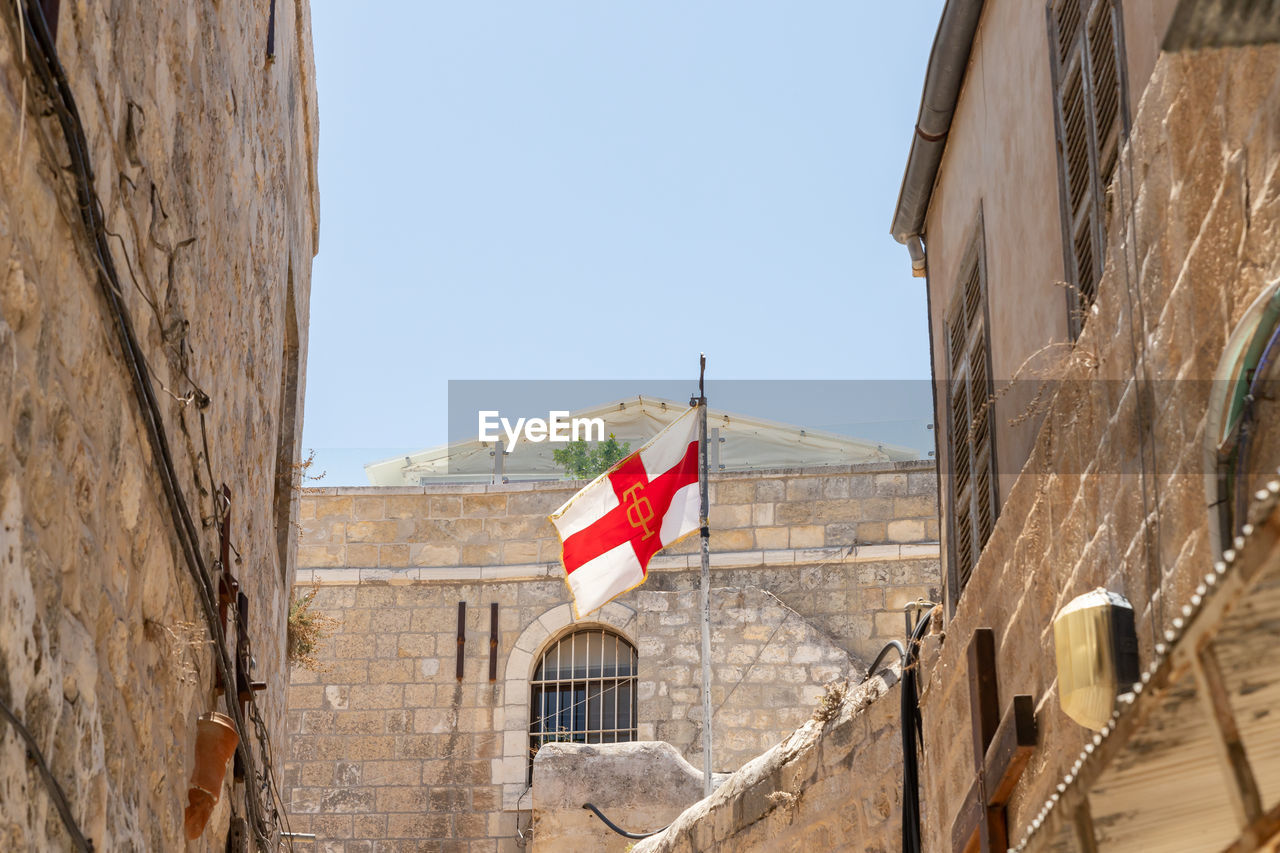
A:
[833,785]
[641,786]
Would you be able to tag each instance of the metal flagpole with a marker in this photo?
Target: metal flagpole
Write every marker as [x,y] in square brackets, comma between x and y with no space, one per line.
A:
[703,457]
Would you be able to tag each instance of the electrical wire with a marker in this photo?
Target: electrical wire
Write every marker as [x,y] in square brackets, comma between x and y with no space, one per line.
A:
[22,110]
[1144,422]
[280,814]
[912,733]
[891,646]
[619,830]
[912,738]
[59,796]
[43,61]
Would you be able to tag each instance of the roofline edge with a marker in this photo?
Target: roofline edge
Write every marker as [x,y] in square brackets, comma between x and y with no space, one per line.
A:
[948,61]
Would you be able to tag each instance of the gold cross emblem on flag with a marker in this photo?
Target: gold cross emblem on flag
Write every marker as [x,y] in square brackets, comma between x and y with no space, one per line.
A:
[639,510]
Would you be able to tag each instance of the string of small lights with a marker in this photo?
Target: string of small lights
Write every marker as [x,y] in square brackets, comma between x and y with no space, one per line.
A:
[1162,663]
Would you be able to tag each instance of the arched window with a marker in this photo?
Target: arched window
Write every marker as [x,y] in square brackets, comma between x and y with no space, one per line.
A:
[1243,426]
[584,690]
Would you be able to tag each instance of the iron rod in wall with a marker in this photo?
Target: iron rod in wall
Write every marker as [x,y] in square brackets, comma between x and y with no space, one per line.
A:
[493,641]
[462,634]
[271,31]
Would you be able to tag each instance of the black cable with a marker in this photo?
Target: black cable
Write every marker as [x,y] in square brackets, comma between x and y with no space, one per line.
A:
[912,736]
[636,835]
[43,59]
[59,796]
[891,646]
[912,731]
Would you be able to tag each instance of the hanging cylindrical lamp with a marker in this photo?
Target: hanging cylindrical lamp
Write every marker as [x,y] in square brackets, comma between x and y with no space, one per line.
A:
[216,741]
[1097,651]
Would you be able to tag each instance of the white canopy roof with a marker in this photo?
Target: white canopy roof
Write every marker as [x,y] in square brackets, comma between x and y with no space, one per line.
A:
[743,444]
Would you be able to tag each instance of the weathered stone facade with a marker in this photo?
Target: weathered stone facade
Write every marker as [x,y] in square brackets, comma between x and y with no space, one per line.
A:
[764,523]
[1193,243]
[388,745]
[204,156]
[1119,491]
[834,784]
[648,781]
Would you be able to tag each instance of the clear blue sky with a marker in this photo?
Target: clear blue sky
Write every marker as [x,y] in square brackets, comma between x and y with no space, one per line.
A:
[597,190]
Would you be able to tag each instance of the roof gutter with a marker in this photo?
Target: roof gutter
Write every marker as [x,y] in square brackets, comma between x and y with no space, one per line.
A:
[947,63]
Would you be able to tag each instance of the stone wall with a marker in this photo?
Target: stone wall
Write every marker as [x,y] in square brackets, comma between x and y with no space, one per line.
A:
[203,153]
[443,526]
[388,745]
[834,784]
[641,786]
[1189,251]
[769,665]
[785,530]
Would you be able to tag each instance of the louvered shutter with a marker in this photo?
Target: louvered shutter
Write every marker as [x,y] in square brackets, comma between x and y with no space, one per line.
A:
[1103,64]
[1082,35]
[969,400]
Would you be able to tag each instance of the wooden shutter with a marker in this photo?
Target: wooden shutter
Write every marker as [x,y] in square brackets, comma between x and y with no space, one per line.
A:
[1103,67]
[1088,101]
[971,496]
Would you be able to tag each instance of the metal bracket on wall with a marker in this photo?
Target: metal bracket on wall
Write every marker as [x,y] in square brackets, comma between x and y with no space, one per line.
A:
[493,641]
[238,836]
[271,32]
[462,634]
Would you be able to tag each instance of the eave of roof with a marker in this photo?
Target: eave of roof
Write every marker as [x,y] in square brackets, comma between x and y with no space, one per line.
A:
[948,60]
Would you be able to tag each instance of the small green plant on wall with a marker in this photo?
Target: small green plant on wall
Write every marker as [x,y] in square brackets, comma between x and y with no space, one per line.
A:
[307,629]
[583,460]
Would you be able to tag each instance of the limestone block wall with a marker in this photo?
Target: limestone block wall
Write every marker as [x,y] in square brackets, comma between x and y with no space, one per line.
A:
[834,784]
[1194,241]
[204,156]
[769,665]
[387,745]
[640,786]
[855,598]
[846,546]
[444,526]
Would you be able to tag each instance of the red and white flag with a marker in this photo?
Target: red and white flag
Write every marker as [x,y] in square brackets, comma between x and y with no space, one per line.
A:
[612,528]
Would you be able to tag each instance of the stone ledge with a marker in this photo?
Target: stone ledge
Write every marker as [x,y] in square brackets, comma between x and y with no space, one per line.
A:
[675,563]
[817,752]
[799,556]
[887,467]
[393,577]
[574,485]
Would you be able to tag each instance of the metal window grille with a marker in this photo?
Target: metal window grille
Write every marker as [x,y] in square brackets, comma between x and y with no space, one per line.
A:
[583,691]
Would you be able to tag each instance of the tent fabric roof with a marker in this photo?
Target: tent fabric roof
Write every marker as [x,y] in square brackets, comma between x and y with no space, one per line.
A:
[744,444]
